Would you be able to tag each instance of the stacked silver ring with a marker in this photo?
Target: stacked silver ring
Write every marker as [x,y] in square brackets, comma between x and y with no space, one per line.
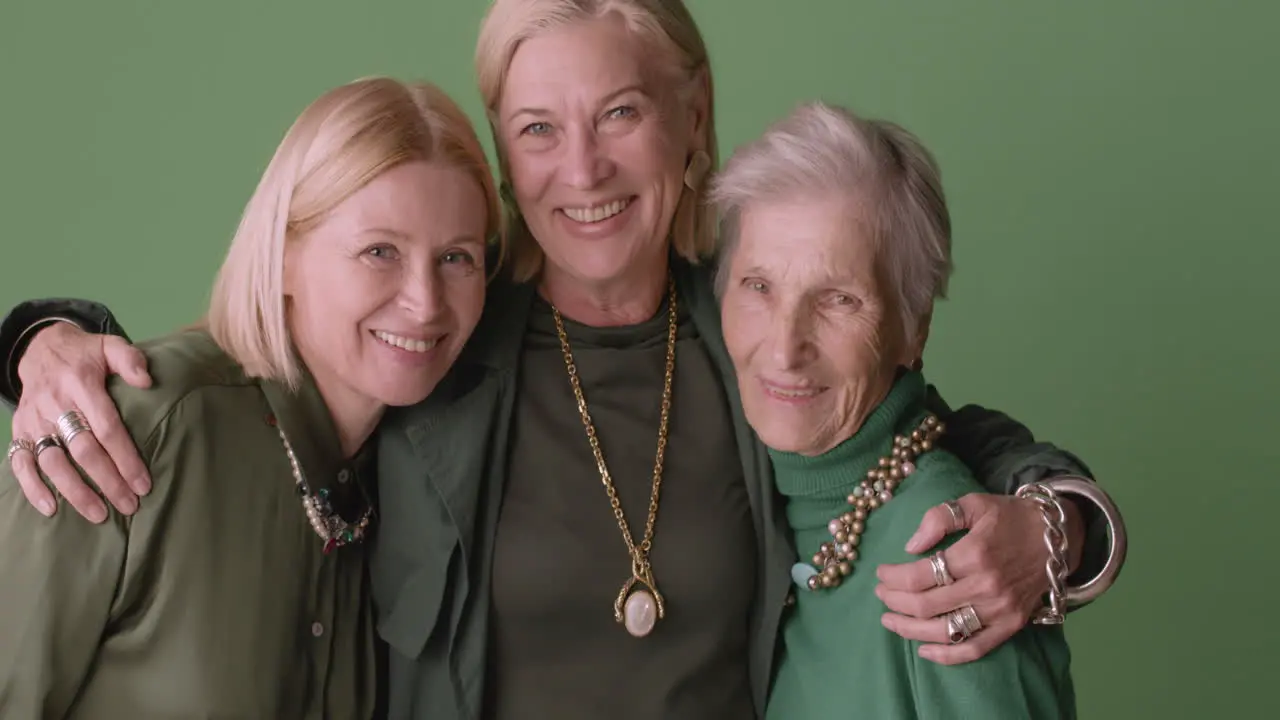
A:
[20,444]
[70,424]
[962,623]
[940,574]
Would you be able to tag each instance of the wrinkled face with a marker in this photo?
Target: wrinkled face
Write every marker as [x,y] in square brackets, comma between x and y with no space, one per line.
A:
[596,140]
[385,291]
[808,323]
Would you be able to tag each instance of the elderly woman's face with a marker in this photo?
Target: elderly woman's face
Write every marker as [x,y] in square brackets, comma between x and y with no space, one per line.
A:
[385,291]
[808,324]
[596,143]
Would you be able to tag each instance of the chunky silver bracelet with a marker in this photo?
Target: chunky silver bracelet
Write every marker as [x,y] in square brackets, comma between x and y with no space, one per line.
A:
[1062,596]
[1055,539]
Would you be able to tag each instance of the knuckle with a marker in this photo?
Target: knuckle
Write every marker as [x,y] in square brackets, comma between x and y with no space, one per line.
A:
[988,585]
[913,605]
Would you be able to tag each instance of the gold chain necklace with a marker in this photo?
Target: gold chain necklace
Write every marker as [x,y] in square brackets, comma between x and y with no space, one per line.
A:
[638,610]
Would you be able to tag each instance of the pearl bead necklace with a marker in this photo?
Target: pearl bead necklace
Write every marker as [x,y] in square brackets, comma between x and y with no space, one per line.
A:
[834,560]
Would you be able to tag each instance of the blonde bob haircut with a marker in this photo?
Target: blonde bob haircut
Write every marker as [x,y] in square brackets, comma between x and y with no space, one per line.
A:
[342,141]
[670,30]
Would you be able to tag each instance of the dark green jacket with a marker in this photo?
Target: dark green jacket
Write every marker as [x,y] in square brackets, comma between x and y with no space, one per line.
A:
[442,467]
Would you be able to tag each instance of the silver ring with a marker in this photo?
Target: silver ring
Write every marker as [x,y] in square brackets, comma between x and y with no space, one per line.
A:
[70,424]
[940,574]
[20,444]
[46,442]
[957,515]
[955,629]
[962,624]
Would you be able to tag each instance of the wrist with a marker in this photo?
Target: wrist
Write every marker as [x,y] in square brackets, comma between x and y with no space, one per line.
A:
[1075,532]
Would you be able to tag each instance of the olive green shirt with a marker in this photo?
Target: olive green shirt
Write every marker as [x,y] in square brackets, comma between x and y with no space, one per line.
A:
[559,557]
[215,599]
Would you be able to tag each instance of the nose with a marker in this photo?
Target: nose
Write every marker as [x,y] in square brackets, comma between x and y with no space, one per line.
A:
[586,165]
[422,295]
[792,340]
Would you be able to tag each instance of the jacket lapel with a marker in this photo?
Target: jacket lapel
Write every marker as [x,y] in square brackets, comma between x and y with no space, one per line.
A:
[435,461]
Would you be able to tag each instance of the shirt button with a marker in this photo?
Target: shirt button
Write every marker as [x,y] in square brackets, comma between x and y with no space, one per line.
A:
[344,476]
[317,629]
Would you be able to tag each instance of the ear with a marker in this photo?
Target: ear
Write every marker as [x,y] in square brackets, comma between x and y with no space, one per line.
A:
[289,274]
[913,348]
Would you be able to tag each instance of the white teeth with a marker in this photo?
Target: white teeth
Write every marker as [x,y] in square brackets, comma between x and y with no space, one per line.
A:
[405,343]
[793,393]
[597,213]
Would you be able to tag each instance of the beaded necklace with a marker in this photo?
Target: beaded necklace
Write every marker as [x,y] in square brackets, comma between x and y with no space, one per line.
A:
[328,524]
[834,560]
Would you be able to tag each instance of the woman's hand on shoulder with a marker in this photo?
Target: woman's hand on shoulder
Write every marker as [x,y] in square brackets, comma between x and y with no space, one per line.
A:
[998,568]
[66,369]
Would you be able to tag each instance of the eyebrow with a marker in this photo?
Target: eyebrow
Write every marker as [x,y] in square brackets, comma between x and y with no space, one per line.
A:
[381,231]
[543,112]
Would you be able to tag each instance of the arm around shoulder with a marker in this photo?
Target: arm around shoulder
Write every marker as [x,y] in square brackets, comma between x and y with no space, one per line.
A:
[1004,455]
[25,319]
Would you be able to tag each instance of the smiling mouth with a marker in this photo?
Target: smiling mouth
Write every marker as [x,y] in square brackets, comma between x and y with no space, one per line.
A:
[596,213]
[792,393]
[406,343]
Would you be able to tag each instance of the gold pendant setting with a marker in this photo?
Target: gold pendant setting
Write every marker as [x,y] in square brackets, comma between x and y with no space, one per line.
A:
[639,606]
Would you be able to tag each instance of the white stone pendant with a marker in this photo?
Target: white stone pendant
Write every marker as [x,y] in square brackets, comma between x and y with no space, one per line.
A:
[638,608]
[640,613]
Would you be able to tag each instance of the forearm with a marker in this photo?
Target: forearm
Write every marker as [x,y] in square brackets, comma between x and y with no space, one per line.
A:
[1004,455]
[23,321]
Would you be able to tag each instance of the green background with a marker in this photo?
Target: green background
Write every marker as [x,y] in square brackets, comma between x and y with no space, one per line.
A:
[1110,164]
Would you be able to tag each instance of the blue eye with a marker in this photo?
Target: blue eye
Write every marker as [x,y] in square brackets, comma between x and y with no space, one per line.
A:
[622,112]
[538,128]
[755,285]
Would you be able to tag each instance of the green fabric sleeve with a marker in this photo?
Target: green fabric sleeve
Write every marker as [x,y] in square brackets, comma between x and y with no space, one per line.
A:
[60,575]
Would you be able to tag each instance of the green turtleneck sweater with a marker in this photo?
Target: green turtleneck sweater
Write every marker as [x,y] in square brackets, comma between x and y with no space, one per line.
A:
[839,661]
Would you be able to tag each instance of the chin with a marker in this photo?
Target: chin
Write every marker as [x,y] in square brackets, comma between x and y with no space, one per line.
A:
[789,440]
[404,396]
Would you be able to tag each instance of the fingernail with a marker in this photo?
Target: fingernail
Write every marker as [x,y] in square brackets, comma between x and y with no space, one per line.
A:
[926,652]
[884,620]
[45,507]
[913,545]
[130,507]
[142,485]
[97,514]
[880,591]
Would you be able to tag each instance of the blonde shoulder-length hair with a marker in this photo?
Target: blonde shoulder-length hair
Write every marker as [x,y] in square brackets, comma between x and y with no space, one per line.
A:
[669,28]
[340,142]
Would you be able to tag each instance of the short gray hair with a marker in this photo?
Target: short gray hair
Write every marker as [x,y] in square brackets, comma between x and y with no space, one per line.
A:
[820,150]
